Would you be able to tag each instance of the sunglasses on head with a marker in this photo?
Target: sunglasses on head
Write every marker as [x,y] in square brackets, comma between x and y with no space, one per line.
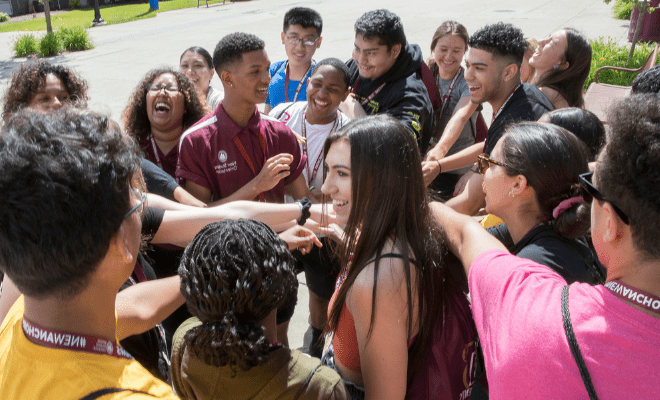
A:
[484,161]
[591,192]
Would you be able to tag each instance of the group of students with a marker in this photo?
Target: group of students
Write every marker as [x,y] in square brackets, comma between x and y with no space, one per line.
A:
[100,299]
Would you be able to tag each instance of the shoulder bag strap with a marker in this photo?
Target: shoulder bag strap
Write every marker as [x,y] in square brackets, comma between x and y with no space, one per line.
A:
[103,392]
[575,349]
[306,383]
[283,111]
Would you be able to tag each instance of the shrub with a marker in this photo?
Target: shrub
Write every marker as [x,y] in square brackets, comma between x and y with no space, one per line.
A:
[25,45]
[74,39]
[622,9]
[74,4]
[50,45]
[4,17]
[605,51]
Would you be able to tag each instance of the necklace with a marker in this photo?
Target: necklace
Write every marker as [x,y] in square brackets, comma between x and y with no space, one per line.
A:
[300,85]
[317,164]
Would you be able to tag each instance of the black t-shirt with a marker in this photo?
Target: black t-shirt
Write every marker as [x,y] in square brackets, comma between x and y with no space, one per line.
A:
[144,347]
[158,181]
[528,103]
[573,259]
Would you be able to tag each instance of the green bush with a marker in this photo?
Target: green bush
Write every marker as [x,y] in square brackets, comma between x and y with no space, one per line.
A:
[4,17]
[25,45]
[623,9]
[50,45]
[74,39]
[606,51]
[74,4]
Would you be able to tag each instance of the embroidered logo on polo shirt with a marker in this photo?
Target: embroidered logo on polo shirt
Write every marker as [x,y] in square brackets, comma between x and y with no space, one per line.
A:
[222,156]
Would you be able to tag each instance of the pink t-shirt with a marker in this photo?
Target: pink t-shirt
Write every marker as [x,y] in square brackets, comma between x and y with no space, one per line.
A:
[209,157]
[517,309]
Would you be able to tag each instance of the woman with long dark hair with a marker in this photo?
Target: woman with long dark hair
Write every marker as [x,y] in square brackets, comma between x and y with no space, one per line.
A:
[395,298]
[561,65]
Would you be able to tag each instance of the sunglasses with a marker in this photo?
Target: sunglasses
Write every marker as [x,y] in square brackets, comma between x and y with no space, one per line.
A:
[591,192]
[483,162]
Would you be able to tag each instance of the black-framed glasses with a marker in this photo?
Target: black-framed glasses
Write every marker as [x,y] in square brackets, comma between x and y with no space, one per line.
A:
[169,89]
[139,207]
[484,161]
[295,40]
[591,192]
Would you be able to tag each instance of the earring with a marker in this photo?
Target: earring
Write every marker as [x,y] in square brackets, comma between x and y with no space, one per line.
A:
[511,194]
[555,67]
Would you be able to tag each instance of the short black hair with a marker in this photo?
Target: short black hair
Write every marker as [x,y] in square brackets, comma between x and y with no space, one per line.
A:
[582,123]
[381,24]
[337,63]
[305,17]
[502,40]
[64,191]
[233,275]
[628,172]
[230,49]
[647,81]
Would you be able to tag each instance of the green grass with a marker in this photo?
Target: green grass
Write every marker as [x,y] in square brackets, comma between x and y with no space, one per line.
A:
[605,51]
[111,15]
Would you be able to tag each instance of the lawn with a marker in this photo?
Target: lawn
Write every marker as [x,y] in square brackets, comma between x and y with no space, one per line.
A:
[111,15]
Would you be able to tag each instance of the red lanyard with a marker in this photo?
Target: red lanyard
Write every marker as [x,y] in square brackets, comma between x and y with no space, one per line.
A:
[155,149]
[286,82]
[643,299]
[445,98]
[72,341]
[371,96]
[504,104]
[317,164]
[246,157]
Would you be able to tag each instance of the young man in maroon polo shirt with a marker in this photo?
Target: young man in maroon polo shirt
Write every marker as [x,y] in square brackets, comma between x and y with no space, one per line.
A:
[237,153]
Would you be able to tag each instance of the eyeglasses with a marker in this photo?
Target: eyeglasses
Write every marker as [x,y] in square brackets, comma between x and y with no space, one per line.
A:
[295,40]
[591,192]
[139,207]
[483,162]
[169,89]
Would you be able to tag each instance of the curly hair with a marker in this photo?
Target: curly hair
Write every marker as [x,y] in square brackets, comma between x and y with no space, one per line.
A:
[30,77]
[629,169]
[381,24]
[233,274]
[64,192]
[502,40]
[647,81]
[230,49]
[552,159]
[135,117]
[569,82]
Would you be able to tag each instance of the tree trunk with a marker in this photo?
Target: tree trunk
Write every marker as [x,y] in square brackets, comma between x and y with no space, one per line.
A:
[49,28]
[640,21]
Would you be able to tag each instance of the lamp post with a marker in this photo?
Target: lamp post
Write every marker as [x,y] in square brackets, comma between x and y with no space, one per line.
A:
[97,15]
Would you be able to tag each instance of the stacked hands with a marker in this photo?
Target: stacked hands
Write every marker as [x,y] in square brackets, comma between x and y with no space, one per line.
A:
[321,222]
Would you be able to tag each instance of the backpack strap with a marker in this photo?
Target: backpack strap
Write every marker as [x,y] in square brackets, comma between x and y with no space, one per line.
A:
[283,111]
[103,392]
[306,383]
[431,86]
[575,349]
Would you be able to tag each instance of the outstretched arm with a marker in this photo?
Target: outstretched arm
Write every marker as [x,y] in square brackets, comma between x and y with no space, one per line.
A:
[465,236]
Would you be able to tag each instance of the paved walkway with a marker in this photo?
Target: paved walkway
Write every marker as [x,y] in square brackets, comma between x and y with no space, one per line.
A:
[125,52]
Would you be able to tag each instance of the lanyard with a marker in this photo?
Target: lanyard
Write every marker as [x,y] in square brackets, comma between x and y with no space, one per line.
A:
[72,341]
[445,98]
[302,81]
[371,96]
[155,149]
[317,164]
[504,104]
[639,297]
[246,157]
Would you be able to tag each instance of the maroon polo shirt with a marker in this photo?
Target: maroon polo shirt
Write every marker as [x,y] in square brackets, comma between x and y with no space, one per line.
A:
[165,162]
[209,157]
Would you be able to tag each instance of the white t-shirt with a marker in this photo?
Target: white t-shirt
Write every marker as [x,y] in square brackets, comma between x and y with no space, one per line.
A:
[292,115]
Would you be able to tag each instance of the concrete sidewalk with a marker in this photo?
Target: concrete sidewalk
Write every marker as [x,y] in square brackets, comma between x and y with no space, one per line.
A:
[125,52]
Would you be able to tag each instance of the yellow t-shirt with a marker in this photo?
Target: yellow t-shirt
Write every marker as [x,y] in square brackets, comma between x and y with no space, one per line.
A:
[31,371]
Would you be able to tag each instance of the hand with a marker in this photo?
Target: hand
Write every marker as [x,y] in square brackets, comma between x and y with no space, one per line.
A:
[275,169]
[336,233]
[460,185]
[352,108]
[300,238]
[431,170]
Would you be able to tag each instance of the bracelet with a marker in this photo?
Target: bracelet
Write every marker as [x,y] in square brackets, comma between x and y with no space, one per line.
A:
[305,204]
[439,166]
